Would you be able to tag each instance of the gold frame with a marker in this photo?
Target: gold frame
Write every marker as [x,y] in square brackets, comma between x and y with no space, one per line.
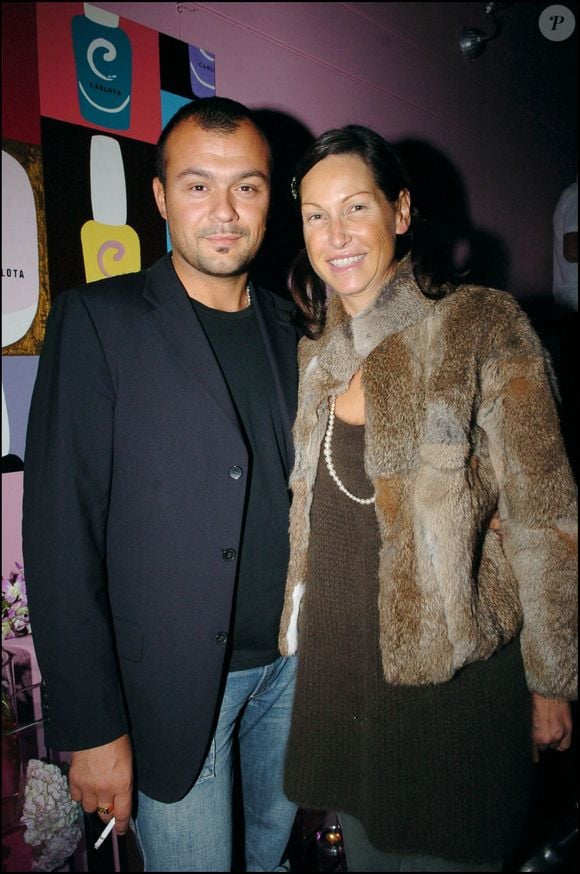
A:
[30,158]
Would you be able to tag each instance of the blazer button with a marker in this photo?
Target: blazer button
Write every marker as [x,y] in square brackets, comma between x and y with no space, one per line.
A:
[221,638]
[228,554]
[235,471]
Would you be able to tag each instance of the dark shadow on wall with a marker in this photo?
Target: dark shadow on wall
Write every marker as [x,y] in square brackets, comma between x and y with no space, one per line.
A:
[439,194]
[12,463]
[288,139]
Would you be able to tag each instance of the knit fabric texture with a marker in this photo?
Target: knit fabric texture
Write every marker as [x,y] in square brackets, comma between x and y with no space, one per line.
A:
[442,769]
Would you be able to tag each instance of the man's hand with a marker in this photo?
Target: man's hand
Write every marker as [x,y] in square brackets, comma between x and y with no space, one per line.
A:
[103,777]
[551,723]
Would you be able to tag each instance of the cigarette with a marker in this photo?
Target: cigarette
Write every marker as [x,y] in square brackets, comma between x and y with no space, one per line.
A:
[105,833]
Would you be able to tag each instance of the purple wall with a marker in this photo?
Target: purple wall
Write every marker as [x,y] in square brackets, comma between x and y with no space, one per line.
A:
[498,132]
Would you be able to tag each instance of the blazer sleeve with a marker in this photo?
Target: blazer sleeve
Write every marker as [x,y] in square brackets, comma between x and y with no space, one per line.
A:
[537,499]
[67,472]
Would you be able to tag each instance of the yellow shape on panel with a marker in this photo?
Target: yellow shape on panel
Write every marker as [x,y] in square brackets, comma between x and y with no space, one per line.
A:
[109,250]
[110,246]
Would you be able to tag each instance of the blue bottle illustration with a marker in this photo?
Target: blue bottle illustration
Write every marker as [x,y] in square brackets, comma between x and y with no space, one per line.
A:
[103,60]
[201,72]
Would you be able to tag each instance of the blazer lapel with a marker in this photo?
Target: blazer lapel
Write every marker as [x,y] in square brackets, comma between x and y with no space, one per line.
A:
[175,321]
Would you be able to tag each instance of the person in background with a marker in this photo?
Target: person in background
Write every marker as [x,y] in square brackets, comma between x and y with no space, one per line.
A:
[435,651]
[155,521]
[565,311]
[565,250]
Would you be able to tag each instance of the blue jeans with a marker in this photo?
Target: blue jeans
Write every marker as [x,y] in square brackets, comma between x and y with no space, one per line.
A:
[196,833]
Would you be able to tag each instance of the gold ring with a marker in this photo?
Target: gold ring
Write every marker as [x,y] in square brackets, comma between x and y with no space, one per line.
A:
[105,810]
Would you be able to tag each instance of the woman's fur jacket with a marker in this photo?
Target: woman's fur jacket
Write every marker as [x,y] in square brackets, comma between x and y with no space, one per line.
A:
[460,422]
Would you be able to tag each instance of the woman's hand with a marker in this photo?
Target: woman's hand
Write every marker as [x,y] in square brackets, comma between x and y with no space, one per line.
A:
[551,723]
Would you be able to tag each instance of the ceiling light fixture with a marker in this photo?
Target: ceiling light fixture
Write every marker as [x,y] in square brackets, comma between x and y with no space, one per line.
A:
[472,40]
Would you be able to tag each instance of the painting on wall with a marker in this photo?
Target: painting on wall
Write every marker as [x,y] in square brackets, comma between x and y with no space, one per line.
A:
[185,70]
[105,86]
[101,217]
[25,298]
[86,94]
[97,70]
[18,375]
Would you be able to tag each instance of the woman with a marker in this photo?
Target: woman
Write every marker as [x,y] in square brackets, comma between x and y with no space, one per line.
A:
[425,410]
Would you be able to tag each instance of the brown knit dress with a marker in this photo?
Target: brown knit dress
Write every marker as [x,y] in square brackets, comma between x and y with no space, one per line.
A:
[444,769]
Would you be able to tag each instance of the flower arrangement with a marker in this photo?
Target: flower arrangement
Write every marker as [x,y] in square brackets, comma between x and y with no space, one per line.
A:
[15,618]
[50,815]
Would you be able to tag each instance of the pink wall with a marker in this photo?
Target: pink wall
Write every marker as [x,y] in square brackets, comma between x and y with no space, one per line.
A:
[11,521]
[505,121]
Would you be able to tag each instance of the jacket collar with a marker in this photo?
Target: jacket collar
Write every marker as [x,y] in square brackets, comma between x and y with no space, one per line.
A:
[347,341]
[174,319]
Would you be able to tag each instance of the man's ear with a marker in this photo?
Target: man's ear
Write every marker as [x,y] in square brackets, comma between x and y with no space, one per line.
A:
[159,195]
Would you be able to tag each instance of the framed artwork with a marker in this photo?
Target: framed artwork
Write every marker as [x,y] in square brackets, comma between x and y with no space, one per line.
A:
[85,95]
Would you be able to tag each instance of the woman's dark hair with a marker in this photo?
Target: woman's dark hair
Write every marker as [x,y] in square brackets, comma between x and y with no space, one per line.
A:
[429,253]
[210,113]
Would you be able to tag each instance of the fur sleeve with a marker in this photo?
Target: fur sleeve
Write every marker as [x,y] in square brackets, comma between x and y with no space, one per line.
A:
[537,498]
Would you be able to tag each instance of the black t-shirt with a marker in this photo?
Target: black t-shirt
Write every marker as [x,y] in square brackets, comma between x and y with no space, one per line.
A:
[237,344]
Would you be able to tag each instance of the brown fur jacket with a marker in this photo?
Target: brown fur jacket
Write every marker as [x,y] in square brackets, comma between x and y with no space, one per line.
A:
[460,422]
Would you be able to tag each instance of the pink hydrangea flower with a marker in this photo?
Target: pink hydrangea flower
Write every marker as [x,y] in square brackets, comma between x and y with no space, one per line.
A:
[15,618]
[50,815]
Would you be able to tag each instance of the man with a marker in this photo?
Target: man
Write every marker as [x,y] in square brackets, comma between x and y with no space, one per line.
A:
[156,513]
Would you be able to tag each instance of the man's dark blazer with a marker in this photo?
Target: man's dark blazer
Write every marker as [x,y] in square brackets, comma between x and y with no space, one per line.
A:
[132,514]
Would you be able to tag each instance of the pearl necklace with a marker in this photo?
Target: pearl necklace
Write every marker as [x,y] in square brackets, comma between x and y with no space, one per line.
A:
[328,458]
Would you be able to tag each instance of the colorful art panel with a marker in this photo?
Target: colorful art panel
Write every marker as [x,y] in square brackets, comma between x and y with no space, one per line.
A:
[186,70]
[101,217]
[201,72]
[20,96]
[25,294]
[18,375]
[98,71]
[170,104]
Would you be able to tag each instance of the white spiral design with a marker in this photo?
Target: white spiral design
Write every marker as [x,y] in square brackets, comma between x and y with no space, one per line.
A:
[109,56]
